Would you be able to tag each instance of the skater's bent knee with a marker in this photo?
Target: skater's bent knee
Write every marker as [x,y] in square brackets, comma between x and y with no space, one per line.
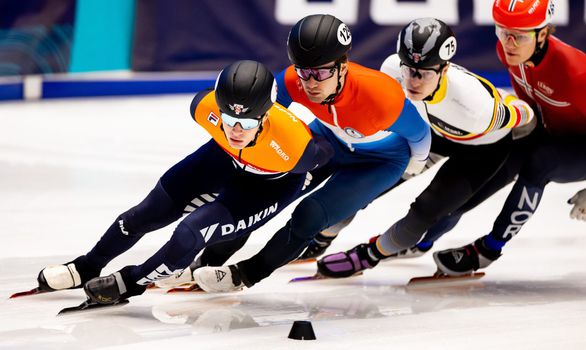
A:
[155,211]
[309,218]
[539,166]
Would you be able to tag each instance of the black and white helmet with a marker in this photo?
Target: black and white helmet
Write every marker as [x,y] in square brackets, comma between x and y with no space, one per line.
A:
[317,40]
[426,42]
[245,89]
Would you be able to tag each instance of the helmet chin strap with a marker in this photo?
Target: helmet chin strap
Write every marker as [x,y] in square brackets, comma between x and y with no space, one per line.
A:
[330,99]
[253,142]
[539,52]
[258,132]
[439,83]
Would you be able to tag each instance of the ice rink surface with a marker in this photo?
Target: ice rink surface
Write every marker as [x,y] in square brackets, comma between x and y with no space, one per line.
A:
[69,167]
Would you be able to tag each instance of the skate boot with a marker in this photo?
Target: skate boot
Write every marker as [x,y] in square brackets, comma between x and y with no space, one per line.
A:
[346,264]
[112,288]
[70,275]
[466,259]
[180,278]
[219,279]
[316,247]
[409,253]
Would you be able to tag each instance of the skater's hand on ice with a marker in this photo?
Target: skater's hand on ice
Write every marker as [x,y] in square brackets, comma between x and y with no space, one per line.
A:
[579,201]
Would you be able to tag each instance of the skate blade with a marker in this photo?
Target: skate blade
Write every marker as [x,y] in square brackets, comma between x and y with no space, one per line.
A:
[195,288]
[88,305]
[318,276]
[302,261]
[440,278]
[33,291]
[155,286]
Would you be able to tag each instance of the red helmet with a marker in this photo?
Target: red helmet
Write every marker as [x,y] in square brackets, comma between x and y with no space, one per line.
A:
[532,14]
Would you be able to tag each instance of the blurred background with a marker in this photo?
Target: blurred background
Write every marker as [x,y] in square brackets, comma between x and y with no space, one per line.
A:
[74,48]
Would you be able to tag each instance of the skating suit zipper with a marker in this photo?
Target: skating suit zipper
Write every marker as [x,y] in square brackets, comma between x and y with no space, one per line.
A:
[335,116]
[240,160]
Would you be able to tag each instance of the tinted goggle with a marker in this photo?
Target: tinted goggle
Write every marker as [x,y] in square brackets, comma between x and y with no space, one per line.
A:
[245,123]
[519,37]
[425,74]
[319,74]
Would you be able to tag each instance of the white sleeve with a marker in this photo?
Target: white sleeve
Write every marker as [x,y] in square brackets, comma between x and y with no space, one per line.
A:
[392,67]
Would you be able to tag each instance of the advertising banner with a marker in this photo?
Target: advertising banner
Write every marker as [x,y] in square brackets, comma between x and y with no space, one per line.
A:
[209,34]
[35,36]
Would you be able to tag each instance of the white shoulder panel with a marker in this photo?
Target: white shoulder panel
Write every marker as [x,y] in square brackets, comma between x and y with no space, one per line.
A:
[468,105]
[392,67]
[466,110]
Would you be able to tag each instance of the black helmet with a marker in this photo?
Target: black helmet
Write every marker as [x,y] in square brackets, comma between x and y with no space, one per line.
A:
[317,40]
[245,89]
[426,42]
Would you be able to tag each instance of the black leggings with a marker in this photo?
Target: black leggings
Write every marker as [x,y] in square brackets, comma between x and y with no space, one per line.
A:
[466,171]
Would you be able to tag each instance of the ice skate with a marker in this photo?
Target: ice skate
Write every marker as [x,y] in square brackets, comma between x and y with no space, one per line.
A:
[178,279]
[112,288]
[465,260]
[107,291]
[409,253]
[346,264]
[316,248]
[64,276]
[441,278]
[219,279]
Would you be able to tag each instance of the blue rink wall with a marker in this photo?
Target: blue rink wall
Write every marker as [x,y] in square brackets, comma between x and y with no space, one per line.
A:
[129,47]
[103,84]
[125,83]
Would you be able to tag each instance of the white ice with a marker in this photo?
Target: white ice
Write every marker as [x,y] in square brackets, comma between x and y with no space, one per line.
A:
[69,167]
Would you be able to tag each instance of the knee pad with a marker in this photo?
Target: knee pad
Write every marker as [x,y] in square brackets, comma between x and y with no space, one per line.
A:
[183,242]
[218,254]
[213,222]
[308,219]
[438,200]
[157,210]
[403,236]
